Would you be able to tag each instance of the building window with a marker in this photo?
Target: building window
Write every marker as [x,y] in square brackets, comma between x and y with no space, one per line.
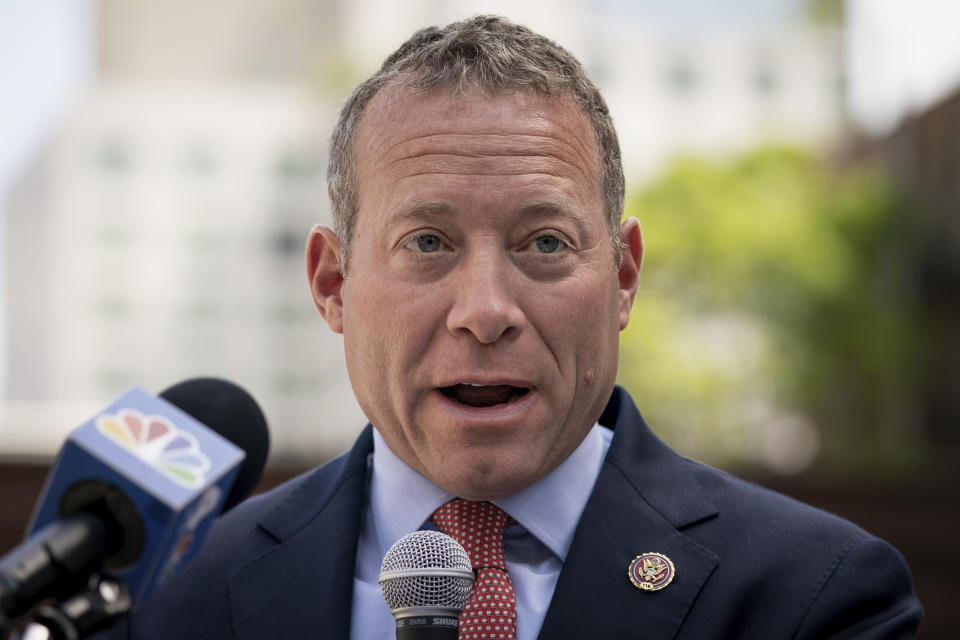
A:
[114,155]
[199,161]
[287,244]
[114,236]
[114,307]
[296,166]
[202,310]
[287,313]
[682,77]
[765,80]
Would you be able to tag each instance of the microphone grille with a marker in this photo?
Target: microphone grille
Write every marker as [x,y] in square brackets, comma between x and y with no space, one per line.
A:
[426,569]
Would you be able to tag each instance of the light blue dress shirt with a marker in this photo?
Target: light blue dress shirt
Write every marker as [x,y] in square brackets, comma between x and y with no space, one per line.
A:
[400,501]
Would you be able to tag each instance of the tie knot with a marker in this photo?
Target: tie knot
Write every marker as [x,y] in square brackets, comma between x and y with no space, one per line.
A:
[478,526]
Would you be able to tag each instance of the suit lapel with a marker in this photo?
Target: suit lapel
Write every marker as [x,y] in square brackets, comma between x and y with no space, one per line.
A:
[302,587]
[644,495]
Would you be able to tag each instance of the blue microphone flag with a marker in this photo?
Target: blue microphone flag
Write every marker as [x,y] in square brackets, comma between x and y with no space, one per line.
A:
[172,470]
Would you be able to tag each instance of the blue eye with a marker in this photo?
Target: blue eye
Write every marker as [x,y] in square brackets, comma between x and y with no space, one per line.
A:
[547,244]
[428,243]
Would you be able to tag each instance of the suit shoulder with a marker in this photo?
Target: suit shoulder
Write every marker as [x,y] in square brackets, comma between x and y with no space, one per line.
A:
[252,526]
[285,509]
[823,573]
[747,505]
[257,506]
[201,592]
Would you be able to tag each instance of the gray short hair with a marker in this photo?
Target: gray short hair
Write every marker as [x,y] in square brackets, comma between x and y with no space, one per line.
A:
[491,53]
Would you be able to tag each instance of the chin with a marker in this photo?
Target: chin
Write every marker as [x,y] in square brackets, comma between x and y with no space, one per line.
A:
[485,486]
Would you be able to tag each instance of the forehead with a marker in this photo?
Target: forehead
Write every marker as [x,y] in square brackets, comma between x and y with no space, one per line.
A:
[400,107]
[406,132]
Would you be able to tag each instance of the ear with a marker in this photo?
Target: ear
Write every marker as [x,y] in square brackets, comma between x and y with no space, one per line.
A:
[325,276]
[632,242]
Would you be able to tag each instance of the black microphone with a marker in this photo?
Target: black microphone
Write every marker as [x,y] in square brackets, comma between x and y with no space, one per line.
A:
[426,578]
[233,413]
[134,491]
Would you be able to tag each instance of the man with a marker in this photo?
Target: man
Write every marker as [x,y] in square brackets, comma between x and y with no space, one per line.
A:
[480,276]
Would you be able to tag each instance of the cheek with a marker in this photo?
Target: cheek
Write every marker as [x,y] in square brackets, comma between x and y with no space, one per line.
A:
[365,336]
[386,325]
[591,331]
[580,314]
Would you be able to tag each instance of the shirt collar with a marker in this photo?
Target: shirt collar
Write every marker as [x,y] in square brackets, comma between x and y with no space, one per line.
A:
[401,499]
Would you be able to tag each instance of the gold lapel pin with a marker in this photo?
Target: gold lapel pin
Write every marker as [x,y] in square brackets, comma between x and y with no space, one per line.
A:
[651,571]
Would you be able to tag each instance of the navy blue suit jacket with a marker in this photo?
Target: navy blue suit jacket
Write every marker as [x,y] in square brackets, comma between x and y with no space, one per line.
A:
[750,563]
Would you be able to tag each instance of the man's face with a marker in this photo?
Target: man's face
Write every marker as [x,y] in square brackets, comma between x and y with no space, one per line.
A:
[482,302]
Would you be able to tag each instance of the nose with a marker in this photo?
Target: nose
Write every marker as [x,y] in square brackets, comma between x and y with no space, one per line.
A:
[484,304]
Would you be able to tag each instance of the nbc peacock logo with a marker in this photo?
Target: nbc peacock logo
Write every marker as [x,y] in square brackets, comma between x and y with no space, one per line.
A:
[155,440]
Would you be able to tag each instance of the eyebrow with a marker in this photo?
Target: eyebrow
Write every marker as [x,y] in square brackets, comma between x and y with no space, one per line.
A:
[541,206]
[423,208]
[555,207]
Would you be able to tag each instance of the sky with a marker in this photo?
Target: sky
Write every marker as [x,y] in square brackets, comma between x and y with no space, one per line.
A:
[46,61]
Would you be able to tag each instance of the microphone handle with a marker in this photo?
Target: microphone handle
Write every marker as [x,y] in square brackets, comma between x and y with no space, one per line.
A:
[95,607]
[54,562]
[428,627]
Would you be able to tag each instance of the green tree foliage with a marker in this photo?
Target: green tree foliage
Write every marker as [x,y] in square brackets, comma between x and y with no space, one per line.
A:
[826,11]
[773,324]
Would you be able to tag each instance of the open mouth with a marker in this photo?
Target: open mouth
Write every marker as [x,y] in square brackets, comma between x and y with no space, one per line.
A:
[481,395]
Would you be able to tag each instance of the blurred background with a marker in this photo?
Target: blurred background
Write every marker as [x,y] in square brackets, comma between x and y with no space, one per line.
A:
[795,165]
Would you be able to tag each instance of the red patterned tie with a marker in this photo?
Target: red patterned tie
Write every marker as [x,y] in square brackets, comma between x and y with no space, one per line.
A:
[491,611]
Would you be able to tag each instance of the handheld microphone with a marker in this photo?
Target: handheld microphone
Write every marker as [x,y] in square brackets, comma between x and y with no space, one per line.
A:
[133,492]
[425,579]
